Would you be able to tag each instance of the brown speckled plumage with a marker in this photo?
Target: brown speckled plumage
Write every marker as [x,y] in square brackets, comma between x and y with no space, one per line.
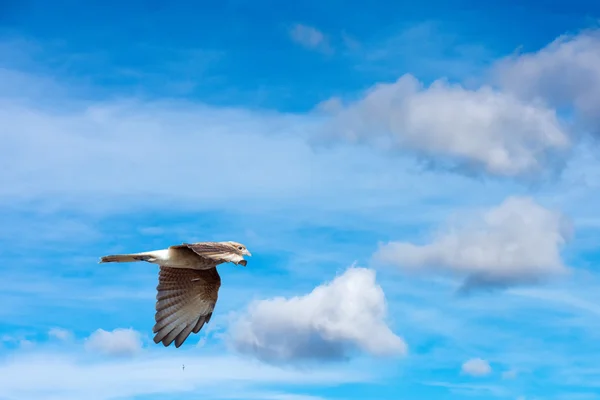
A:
[211,254]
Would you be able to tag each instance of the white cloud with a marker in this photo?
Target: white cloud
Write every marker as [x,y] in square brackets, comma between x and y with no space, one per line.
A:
[309,37]
[142,149]
[115,155]
[118,342]
[509,374]
[476,367]
[18,340]
[101,156]
[518,241]
[451,126]
[329,323]
[60,334]
[51,376]
[470,389]
[565,73]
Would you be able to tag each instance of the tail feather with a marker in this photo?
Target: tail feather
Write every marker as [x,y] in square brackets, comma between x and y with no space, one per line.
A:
[124,258]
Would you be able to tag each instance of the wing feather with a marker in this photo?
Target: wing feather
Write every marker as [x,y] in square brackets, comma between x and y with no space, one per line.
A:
[186,299]
[215,252]
[201,321]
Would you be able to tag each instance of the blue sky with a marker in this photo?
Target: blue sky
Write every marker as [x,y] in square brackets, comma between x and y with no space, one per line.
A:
[417,184]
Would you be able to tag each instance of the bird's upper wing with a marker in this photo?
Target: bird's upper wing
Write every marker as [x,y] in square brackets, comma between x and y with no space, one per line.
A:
[211,251]
[186,299]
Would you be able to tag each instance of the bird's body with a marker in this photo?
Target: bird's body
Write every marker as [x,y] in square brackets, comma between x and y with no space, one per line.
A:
[188,284]
[202,255]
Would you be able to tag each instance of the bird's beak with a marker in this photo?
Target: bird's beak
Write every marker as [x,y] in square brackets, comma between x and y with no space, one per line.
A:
[247,253]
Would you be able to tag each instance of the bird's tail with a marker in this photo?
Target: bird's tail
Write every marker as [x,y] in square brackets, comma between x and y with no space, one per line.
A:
[124,258]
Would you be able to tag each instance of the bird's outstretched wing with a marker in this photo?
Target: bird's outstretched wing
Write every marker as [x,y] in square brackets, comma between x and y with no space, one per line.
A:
[212,251]
[186,299]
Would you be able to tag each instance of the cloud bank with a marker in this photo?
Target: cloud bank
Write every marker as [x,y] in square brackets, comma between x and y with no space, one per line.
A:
[517,242]
[113,155]
[56,145]
[332,322]
[51,376]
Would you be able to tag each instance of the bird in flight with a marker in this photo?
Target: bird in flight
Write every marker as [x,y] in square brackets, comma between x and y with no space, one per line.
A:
[188,285]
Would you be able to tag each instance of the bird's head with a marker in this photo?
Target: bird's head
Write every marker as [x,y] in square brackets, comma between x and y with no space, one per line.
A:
[241,250]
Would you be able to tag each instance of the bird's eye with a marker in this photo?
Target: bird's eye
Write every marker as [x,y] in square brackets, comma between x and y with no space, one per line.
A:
[240,248]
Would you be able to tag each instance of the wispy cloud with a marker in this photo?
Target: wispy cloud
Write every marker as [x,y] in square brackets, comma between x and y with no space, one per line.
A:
[51,376]
[350,42]
[472,389]
[510,374]
[105,156]
[428,49]
[310,37]
[476,367]
[60,334]
[443,329]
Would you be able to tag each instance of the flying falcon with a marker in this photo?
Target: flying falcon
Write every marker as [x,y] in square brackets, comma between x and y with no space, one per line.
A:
[188,285]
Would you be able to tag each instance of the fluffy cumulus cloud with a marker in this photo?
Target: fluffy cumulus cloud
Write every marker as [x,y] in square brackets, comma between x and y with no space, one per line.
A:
[330,323]
[518,241]
[119,342]
[449,125]
[565,74]
[476,367]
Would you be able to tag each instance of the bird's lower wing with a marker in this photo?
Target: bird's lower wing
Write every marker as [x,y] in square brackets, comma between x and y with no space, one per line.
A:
[186,299]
